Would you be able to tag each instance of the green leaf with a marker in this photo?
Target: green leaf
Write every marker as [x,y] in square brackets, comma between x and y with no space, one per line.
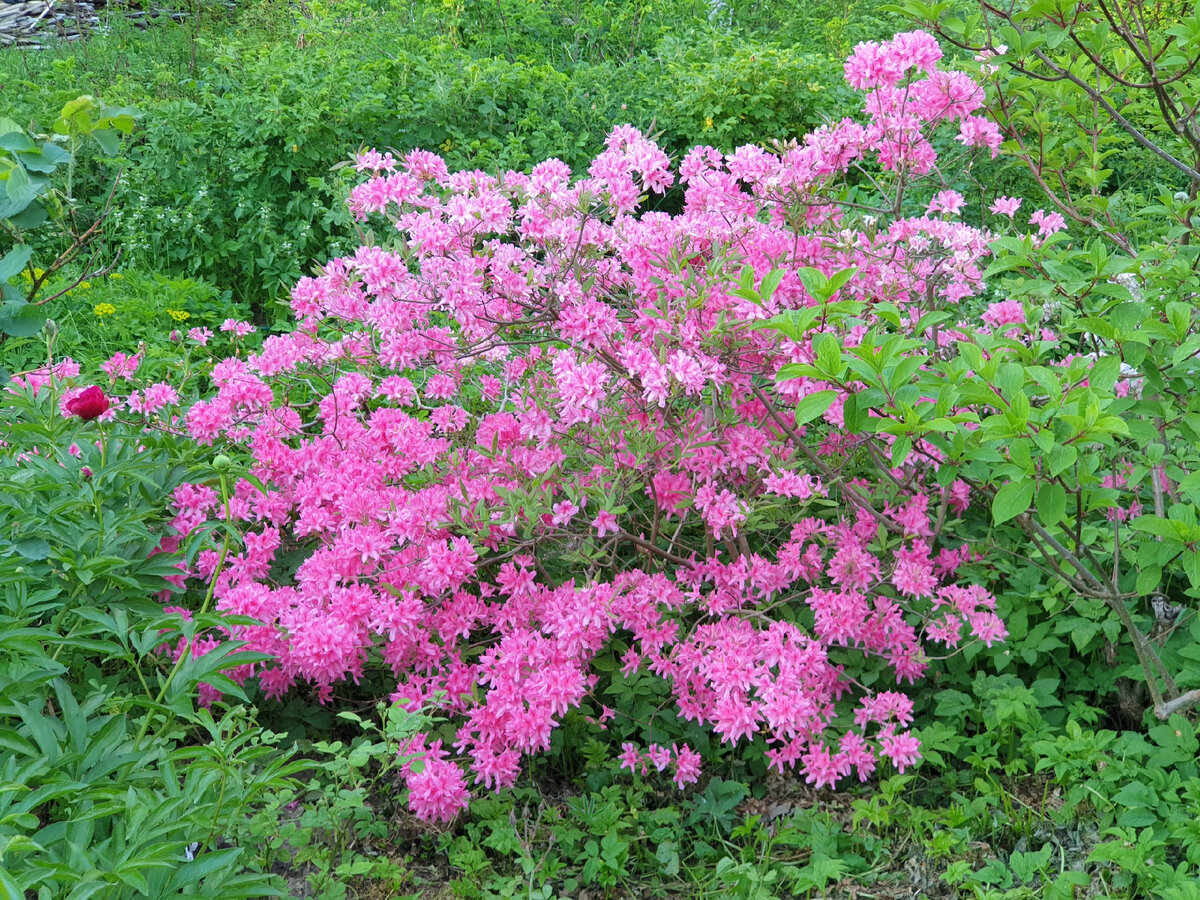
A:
[15,141]
[829,354]
[1111,425]
[796,370]
[1082,632]
[205,864]
[9,889]
[1104,373]
[14,261]
[813,405]
[45,159]
[21,321]
[1062,457]
[32,216]
[838,279]
[820,872]
[121,118]
[769,283]
[1051,503]
[668,858]
[19,189]
[132,877]
[971,354]
[87,886]
[109,143]
[1012,500]
[1191,567]
[1148,579]
[606,662]
[1164,528]
[75,115]
[32,548]
[814,282]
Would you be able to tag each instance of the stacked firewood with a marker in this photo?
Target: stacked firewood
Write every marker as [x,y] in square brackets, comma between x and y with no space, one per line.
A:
[33,24]
[21,24]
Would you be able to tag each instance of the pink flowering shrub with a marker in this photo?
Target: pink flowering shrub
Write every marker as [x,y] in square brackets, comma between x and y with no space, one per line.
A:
[536,423]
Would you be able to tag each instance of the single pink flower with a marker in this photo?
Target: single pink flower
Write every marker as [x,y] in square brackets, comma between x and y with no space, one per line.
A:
[1005,206]
[604,523]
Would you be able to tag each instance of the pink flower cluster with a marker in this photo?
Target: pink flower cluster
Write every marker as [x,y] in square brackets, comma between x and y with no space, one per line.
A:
[542,419]
[684,760]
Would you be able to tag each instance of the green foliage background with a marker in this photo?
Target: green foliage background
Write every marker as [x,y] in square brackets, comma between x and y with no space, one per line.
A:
[230,176]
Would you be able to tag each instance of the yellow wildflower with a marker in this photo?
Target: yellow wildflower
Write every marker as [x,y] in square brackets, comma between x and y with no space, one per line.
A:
[179,315]
[115,275]
[104,309]
[708,123]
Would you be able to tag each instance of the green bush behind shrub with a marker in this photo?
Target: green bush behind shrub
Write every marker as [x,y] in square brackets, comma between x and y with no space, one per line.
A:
[230,176]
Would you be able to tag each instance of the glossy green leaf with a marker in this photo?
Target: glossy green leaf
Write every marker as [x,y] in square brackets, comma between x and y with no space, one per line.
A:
[1051,501]
[1011,500]
[814,405]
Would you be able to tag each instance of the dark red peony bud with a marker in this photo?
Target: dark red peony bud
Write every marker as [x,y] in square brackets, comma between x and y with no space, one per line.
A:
[88,405]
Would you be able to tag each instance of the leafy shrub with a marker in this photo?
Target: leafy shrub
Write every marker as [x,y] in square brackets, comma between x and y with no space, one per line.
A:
[39,210]
[590,397]
[1106,601]
[251,200]
[1128,92]
[613,31]
[339,824]
[727,92]
[230,180]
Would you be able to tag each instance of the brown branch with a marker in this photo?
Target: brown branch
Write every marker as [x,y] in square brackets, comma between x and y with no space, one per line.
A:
[89,272]
[1132,130]
[657,551]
